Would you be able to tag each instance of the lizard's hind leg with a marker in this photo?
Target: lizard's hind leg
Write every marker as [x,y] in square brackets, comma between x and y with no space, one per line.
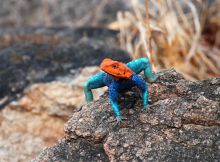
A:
[95,81]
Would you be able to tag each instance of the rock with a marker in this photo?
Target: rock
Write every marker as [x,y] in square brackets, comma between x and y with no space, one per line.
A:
[58,98]
[36,120]
[24,134]
[23,64]
[55,98]
[180,125]
[66,151]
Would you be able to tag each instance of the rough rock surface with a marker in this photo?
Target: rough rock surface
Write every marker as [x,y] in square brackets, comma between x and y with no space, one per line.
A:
[181,124]
[27,58]
[36,120]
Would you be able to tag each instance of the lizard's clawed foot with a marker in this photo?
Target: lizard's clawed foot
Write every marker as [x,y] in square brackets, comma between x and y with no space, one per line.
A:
[119,120]
[145,107]
[153,78]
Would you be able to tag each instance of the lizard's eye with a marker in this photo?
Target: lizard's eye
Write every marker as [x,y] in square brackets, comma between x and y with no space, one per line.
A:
[114,66]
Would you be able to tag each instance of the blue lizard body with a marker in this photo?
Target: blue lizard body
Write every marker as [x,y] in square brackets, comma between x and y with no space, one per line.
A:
[115,86]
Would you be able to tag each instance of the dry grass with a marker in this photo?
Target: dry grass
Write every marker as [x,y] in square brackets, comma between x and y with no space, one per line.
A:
[180,34]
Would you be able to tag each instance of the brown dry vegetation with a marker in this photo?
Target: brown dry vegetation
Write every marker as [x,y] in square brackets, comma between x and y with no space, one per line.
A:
[180,34]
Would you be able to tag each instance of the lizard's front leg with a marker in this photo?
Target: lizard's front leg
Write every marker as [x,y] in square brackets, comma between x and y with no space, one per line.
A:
[95,81]
[141,84]
[113,98]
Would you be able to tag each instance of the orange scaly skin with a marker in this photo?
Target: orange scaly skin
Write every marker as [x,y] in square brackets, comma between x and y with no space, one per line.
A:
[116,69]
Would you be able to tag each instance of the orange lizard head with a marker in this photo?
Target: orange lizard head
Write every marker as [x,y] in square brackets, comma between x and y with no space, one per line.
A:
[116,69]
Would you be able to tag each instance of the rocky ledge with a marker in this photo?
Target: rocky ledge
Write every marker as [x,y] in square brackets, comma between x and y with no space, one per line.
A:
[181,124]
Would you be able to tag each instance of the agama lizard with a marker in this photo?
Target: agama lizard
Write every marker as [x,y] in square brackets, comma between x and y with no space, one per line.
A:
[118,77]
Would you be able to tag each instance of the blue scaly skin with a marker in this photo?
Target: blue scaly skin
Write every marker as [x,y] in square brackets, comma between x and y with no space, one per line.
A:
[115,86]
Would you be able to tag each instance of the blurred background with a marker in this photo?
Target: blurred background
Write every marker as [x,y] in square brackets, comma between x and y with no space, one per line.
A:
[48,48]
[183,34]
